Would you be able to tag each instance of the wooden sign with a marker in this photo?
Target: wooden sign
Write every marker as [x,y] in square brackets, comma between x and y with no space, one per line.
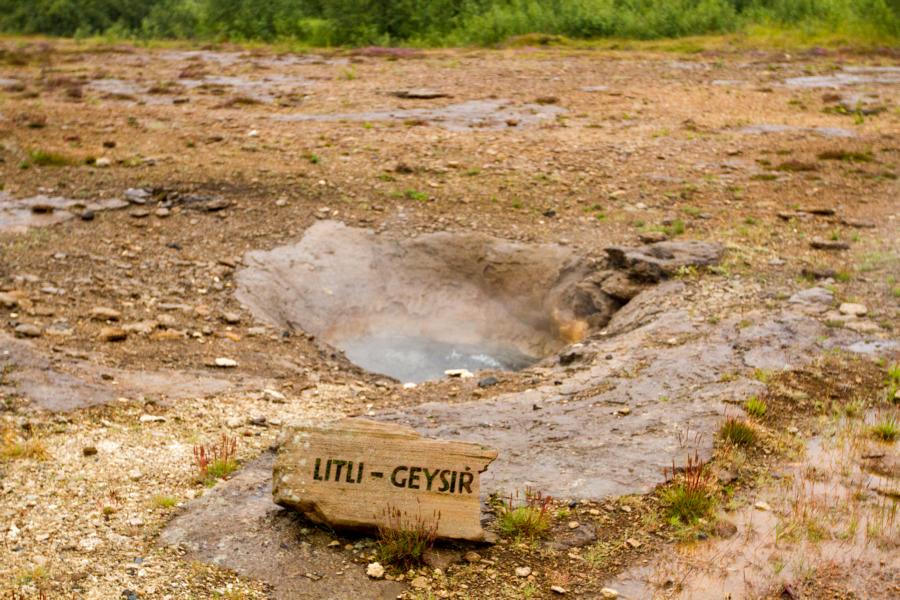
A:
[353,473]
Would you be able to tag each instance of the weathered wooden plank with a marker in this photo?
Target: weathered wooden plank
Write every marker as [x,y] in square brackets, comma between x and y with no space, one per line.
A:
[351,472]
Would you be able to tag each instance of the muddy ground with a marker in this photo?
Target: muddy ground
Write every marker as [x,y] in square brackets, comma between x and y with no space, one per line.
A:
[142,187]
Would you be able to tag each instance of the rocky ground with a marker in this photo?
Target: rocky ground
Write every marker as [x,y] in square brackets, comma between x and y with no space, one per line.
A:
[137,180]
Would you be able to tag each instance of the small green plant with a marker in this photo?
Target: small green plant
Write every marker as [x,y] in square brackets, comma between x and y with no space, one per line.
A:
[738,432]
[403,540]
[675,228]
[893,383]
[43,158]
[762,375]
[32,576]
[887,428]
[314,158]
[756,407]
[216,461]
[689,496]
[530,520]
[416,195]
[163,501]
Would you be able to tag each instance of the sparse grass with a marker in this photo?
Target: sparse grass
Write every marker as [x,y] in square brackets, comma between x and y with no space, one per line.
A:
[737,432]
[416,195]
[216,461]
[403,540]
[846,156]
[12,447]
[529,521]
[675,228]
[314,158]
[163,501]
[32,576]
[755,407]
[796,166]
[691,496]
[893,382]
[762,375]
[44,158]
[887,429]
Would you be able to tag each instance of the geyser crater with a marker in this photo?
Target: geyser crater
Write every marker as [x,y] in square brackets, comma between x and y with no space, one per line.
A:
[413,308]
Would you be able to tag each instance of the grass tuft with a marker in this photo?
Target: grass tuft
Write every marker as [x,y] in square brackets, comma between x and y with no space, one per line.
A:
[691,495]
[12,448]
[43,158]
[216,461]
[756,407]
[887,429]
[403,540]
[163,501]
[737,432]
[529,521]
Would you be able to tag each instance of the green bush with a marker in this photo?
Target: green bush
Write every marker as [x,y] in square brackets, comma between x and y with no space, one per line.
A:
[440,22]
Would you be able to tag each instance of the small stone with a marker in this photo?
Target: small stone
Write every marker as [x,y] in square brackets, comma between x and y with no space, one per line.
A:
[87,215]
[558,589]
[101,313]
[135,474]
[864,327]
[27,330]
[523,571]
[762,506]
[137,195]
[113,334]
[151,419]
[225,363]
[8,300]
[793,430]
[102,162]
[89,451]
[231,318]
[633,543]
[854,310]
[274,396]
[162,213]
[136,522]
[652,237]
[823,244]
[594,512]
[375,570]
[624,411]
[234,423]
[488,381]
[461,373]
[609,594]
[420,583]
[258,421]
[334,544]
[574,524]
[472,557]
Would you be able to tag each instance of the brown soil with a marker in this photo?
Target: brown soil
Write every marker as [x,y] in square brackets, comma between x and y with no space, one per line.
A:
[634,143]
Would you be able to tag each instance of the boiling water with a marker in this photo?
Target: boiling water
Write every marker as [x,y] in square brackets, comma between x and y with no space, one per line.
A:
[417,359]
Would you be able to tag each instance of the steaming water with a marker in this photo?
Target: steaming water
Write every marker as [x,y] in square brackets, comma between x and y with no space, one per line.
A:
[417,359]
